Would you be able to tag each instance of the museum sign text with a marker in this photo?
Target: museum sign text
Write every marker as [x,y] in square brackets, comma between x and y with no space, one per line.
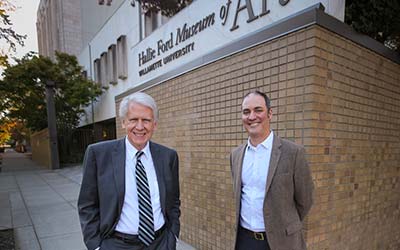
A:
[168,49]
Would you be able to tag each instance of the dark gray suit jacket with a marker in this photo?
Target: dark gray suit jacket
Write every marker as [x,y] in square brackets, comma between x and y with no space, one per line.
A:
[103,189]
[288,193]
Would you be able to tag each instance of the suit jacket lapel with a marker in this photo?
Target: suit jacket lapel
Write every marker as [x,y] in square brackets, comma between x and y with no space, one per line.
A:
[159,168]
[273,163]
[238,161]
[118,162]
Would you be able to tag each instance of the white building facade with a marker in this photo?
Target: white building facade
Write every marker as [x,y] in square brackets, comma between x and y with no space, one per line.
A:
[120,47]
[59,27]
[132,48]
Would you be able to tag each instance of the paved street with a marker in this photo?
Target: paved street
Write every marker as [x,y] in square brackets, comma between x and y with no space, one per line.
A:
[40,204]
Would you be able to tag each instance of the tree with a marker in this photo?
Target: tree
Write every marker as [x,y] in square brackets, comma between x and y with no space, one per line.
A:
[23,90]
[167,7]
[7,32]
[379,19]
[6,126]
[13,131]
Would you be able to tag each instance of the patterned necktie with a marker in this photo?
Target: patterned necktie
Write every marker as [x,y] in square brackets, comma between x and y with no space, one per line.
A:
[146,226]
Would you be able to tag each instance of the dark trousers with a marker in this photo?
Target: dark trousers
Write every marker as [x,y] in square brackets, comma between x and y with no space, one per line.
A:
[165,241]
[248,240]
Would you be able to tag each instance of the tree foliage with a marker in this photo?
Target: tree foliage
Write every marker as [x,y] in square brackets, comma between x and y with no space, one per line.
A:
[7,33]
[6,126]
[13,131]
[379,19]
[167,7]
[24,84]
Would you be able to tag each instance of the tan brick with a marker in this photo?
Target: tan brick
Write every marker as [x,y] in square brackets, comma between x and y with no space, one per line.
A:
[336,98]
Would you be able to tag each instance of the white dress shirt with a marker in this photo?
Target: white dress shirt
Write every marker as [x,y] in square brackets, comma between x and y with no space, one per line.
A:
[254,178]
[129,220]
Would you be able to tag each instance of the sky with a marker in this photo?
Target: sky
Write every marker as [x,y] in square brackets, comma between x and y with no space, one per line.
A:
[24,23]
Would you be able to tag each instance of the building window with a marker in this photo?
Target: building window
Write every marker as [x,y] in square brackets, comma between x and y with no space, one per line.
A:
[112,65]
[103,69]
[152,20]
[97,72]
[122,60]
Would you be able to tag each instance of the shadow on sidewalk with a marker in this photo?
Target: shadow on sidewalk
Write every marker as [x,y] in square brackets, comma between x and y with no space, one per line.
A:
[40,205]
[14,161]
[7,239]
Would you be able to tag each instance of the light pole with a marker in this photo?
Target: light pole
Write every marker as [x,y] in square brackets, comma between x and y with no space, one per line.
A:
[51,123]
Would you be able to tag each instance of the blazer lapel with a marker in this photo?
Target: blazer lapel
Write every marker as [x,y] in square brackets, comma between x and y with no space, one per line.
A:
[238,166]
[118,162]
[159,168]
[273,163]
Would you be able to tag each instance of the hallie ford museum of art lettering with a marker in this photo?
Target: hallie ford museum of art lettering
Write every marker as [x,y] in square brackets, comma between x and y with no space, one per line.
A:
[200,30]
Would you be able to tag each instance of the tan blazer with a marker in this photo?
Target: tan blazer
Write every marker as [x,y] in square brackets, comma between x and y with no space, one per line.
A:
[289,193]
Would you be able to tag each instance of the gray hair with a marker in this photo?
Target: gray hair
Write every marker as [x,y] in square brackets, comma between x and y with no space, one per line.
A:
[140,98]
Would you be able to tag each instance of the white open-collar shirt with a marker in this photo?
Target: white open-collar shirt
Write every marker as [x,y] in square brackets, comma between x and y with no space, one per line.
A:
[129,219]
[254,179]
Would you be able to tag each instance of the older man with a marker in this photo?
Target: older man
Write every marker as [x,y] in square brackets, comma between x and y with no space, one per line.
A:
[272,183]
[129,198]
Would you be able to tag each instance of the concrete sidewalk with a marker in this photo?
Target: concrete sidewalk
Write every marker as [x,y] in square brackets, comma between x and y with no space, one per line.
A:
[40,205]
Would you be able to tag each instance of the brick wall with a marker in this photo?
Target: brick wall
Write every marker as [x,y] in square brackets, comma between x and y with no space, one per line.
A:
[354,146]
[338,99]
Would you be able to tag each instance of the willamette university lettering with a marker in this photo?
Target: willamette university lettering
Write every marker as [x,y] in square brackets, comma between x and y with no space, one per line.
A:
[187,32]
[179,53]
[150,68]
